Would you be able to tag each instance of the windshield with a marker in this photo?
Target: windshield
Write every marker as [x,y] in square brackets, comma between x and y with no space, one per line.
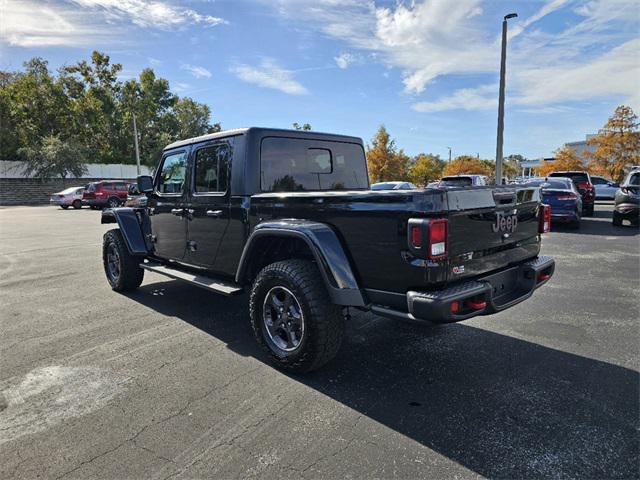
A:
[634,179]
[456,182]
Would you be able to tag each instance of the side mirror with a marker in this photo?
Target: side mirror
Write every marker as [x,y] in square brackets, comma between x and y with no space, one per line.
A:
[145,184]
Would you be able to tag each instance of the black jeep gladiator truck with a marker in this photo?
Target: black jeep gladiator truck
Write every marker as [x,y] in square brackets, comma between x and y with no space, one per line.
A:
[288,216]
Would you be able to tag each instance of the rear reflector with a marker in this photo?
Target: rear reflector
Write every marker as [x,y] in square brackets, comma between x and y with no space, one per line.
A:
[544,218]
[455,306]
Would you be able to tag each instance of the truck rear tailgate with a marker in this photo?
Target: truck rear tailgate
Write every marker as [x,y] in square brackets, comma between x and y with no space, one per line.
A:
[490,228]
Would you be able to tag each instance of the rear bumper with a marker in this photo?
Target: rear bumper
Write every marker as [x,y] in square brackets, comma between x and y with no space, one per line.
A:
[628,211]
[564,216]
[94,202]
[484,296]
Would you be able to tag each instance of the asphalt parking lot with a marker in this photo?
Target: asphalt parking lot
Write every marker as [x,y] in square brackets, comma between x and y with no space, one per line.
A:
[168,381]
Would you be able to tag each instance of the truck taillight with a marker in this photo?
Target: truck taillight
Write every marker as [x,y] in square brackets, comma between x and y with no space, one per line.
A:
[544,218]
[427,238]
[437,239]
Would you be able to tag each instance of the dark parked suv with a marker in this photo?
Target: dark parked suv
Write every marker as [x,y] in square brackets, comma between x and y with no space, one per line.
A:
[107,193]
[628,200]
[584,186]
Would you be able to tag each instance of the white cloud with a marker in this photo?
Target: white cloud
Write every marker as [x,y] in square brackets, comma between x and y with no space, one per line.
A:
[270,75]
[478,98]
[344,60]
[32,23]
[196,71]
[592,58]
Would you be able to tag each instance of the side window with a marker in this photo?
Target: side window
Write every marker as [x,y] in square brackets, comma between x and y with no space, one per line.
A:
[172,174]
[121,187]
[211,166]
[107,186]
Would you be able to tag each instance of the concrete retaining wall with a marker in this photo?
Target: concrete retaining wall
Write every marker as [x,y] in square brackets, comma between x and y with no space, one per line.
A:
[16,189]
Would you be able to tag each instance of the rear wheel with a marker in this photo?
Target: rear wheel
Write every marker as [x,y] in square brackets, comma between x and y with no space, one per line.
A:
[77,204]
[113,202]
[122,269]
[293,317]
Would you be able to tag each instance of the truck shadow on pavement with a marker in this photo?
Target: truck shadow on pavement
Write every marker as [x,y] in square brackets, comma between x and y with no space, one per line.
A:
[499,406]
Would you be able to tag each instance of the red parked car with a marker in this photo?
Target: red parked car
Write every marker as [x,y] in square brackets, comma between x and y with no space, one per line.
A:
[106,193]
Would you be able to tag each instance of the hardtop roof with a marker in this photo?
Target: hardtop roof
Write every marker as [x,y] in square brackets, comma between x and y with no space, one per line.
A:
[264,131]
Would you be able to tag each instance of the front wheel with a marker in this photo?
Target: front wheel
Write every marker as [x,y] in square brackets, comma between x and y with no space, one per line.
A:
[113,202]
[617,219]
[122,269]
[293,317]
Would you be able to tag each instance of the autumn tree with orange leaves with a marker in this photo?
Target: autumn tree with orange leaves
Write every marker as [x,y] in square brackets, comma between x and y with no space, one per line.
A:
[566,159]
[617,145]
[466,164]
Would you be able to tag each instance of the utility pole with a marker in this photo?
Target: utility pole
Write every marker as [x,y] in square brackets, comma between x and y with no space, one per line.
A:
[449,154]
[503,60]
[135,142]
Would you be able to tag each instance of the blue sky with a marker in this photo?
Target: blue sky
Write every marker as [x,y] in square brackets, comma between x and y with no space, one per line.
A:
[428,70]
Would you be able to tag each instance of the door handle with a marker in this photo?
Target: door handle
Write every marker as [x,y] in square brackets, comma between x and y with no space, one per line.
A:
[179,212]
[214,213]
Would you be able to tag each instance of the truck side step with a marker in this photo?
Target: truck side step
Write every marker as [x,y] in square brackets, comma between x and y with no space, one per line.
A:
[208,283]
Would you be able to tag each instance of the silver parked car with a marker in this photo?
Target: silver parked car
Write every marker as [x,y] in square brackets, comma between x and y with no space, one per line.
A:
[69,197]
[605,189]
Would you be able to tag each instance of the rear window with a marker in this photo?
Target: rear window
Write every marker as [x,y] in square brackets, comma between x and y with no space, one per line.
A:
[292,164]
[556,185]
[456,182]
[91,187]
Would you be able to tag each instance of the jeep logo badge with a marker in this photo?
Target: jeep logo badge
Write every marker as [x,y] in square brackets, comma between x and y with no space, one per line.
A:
[505,222]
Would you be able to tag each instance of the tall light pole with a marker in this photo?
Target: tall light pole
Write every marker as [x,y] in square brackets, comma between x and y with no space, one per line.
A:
[503,60]
[135,142]
[449,154]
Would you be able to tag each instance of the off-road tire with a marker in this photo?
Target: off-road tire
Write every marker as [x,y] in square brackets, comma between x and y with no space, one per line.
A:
[324,322]
[617,220]
[77,204]
[130,274]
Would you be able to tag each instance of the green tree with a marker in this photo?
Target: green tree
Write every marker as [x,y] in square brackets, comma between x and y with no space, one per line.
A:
[53,158]
[304,126]
[385,161]
[617,145]
[425,168]
[87,106]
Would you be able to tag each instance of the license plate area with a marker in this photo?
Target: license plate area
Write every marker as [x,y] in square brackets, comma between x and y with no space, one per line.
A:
[506,286]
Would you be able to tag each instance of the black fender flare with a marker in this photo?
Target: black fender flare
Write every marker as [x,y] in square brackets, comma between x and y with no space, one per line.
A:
[326,249]
[134,225]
